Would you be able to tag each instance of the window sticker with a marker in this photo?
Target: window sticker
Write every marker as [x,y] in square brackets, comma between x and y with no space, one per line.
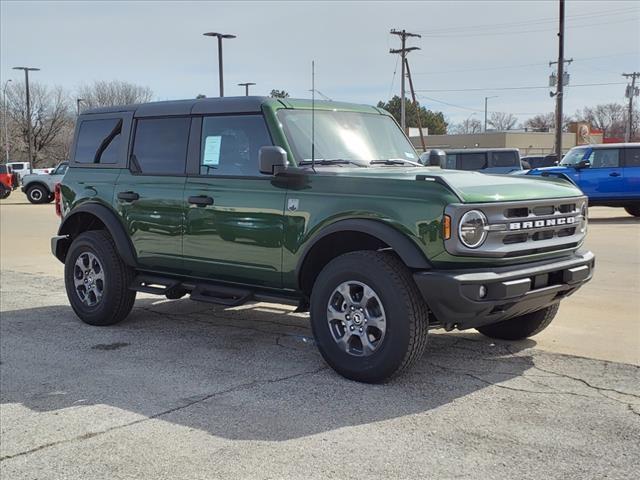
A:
[212,150]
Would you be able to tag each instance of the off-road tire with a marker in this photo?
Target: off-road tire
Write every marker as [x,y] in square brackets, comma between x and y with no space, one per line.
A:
[117,299]
[406,315]
[633,210]
[521,327]
[37,194]
[4,192]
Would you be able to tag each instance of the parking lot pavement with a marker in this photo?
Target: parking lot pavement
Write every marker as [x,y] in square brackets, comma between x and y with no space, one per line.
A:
[189,390]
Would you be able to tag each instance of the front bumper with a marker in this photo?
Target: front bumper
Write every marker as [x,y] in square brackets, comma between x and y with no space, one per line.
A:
[453,296]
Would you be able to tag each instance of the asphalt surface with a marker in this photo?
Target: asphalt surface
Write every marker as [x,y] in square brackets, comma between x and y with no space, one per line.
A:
[189,390]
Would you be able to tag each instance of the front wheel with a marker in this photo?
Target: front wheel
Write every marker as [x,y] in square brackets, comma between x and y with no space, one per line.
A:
[524,326]
[37,194]
[97,280]
[633,210]
[368,317]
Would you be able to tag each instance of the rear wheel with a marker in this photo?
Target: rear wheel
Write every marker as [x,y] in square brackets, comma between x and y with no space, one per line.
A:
[521,327]
[368,317]
[633,210]
[4,192]
[97,280]
[37,194]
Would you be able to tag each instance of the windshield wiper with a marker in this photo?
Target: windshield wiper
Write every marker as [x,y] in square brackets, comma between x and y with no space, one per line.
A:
[332,161]
[395,161]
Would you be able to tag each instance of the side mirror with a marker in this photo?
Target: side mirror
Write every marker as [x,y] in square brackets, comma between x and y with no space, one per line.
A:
[272,159]
[583,164]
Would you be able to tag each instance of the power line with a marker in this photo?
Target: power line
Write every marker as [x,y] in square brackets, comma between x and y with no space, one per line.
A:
[493,26]
[516,88]
[519,32]
[506,67]
[476,109]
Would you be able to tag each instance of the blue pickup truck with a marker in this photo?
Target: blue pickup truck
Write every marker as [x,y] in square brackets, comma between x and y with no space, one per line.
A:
[609,174]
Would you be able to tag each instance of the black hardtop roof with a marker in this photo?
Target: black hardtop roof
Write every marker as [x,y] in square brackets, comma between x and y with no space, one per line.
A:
[186,107]
[479,150]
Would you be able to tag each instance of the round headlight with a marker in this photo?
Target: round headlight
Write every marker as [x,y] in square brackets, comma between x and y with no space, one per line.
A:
[471,228]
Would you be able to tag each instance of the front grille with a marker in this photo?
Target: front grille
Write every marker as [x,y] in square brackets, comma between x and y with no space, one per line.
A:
[523,228]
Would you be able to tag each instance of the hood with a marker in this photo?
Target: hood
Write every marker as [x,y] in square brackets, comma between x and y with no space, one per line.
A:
[475,187]
[556,169]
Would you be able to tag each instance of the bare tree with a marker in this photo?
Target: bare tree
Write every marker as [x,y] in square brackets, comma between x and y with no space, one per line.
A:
[111,93]
[546,122]
[51,123]
[279,93]
[502,121]
[470,125]
[608,117]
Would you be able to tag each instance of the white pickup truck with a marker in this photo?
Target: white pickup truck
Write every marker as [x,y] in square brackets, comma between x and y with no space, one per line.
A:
[39,188]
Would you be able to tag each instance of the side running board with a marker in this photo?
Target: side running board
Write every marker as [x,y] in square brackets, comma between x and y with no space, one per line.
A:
[203,292]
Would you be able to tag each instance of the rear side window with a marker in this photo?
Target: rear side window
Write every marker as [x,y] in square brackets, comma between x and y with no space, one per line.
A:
[99,141]
[160,146]
[504,159]
[230,145]
[632,157]
[472,161]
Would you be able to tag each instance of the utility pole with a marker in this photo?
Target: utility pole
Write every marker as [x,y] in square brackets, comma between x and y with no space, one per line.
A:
[485,111]
[6,121]
[631,91]
[26,83]
[560,82]
[220,36]
[403,34]
[415,104]
[246,87]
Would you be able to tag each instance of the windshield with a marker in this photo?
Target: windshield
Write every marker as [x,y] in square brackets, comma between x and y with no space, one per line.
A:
[575,156]
[351,136]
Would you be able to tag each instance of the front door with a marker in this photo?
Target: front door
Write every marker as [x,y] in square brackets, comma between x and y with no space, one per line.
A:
[234,215]
[604,178]
[150,194]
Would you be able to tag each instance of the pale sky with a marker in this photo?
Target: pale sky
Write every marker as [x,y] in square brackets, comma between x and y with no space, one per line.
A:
[480,45]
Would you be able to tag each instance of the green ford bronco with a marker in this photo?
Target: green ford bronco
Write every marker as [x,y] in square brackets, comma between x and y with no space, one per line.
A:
[257,199]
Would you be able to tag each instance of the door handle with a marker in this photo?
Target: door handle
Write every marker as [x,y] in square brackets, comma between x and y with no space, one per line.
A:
[614,174]
[128,196]
[201,200]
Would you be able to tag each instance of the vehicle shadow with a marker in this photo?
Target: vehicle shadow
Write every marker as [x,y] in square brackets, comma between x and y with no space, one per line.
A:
[622,220]
[250,373]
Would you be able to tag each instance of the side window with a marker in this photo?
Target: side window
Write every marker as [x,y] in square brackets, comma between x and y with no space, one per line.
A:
[472,161]
[632,157]
[605,158]
[61,169]
[504,159]
[230,144]
[450,162]
[160,146]
[99,141]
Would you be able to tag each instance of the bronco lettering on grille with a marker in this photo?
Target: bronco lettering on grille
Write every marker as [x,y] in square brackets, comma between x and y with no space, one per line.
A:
[549,222]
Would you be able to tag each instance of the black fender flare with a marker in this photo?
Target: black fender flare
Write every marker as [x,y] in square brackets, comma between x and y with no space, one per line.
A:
[113,225]
[406,249]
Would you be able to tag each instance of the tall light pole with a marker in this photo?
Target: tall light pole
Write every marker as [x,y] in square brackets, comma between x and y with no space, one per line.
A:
[485,111]
[219,36]
[26,84]
[246,87]
[6,121]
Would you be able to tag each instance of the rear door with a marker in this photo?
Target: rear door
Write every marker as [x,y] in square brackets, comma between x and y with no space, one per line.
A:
[234,215]
[604,178]
[631,175]
[472,161]
[503,162]
[149,194]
